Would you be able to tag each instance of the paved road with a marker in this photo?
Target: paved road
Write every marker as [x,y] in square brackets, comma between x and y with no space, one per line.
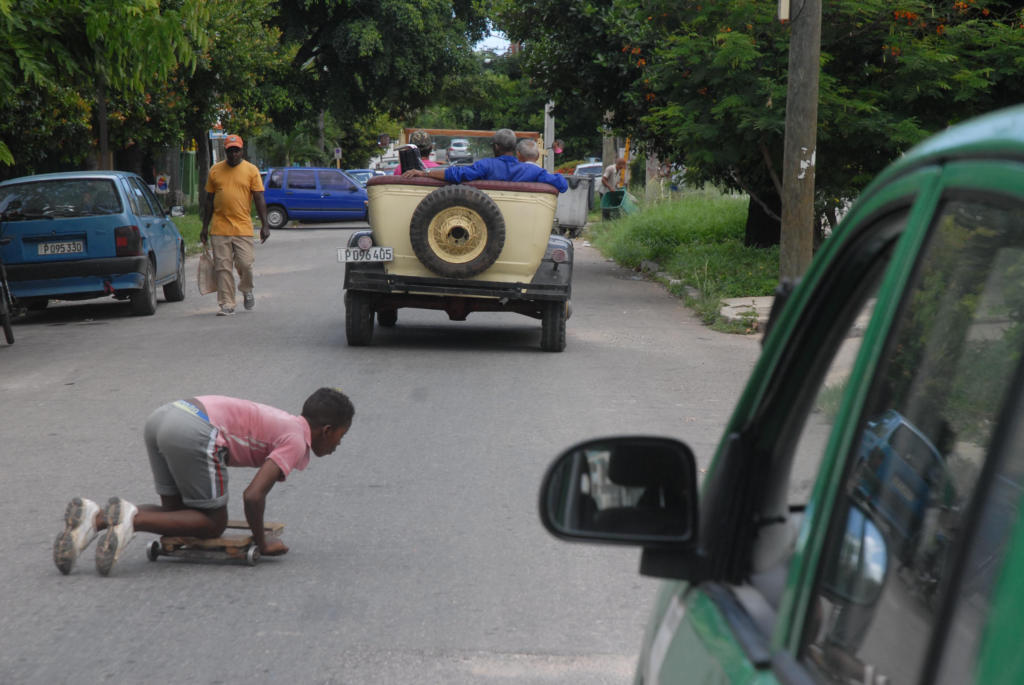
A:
[416,553]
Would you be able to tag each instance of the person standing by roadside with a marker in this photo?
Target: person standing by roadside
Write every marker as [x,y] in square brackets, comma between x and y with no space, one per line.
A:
[232,186]
[612,175]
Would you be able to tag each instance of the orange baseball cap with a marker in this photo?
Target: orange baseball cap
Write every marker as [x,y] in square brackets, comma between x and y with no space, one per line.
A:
[232,141]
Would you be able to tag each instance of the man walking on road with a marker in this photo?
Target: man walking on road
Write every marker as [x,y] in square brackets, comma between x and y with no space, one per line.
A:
[231,188]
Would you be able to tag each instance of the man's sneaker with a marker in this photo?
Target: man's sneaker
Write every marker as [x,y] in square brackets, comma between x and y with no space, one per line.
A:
[226,311]
[249,300]
[120,516]
[79,531]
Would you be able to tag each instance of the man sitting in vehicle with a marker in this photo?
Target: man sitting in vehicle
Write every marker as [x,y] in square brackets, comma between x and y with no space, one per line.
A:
[422,140]
[502,167]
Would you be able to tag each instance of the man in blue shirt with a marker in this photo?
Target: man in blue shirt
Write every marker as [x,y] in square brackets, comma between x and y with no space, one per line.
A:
[502,167]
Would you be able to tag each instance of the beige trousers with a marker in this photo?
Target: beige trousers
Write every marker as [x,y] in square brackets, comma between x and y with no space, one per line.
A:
[232,251]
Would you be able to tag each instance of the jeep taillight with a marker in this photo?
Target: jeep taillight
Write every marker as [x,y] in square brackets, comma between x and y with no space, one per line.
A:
[127,241]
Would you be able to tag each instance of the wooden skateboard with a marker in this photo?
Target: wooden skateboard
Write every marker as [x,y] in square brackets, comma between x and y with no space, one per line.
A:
[230,545]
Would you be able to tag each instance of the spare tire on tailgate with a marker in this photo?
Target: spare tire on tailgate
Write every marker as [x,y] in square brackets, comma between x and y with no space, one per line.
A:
[457,231]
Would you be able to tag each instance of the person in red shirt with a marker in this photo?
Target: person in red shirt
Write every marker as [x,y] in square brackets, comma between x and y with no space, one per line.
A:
[190,444]
[422,140]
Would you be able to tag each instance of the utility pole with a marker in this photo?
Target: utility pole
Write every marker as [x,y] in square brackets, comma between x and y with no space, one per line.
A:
[797,238]
[549,137]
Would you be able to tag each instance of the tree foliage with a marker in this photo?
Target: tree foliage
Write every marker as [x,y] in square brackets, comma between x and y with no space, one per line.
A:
[362,57]
[90,52]
[704,83]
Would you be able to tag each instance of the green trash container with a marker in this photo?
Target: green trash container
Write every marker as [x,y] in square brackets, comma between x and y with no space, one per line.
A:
[616,202]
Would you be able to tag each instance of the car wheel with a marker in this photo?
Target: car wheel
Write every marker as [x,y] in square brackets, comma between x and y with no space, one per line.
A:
[276,216]
[387,317]
[144,299]
[552,326]
[358,319]
[175,292]
[457,231]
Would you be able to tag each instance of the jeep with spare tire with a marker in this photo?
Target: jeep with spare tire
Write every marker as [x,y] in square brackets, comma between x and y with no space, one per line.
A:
[459,248]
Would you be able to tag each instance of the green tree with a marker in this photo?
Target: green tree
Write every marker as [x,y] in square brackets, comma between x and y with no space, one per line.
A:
[101,49]
[239,74]
[704,84]
[359,58]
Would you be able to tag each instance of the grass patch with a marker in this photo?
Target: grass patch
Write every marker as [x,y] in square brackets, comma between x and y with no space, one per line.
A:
[189,226]
[697,240]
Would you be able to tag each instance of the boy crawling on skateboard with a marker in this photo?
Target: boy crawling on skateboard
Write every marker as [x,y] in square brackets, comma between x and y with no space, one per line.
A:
[190,444]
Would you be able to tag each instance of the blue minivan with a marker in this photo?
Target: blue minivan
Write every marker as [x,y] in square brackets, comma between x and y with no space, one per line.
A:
[311,194]
[87,234]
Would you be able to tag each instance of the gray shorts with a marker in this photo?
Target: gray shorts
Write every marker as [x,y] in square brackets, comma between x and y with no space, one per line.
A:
[184,456]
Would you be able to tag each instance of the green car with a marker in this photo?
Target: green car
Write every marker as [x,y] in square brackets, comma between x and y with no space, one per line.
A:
[807,555]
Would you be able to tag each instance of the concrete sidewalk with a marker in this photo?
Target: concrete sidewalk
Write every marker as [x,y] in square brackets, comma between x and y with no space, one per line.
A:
[740,309]
[747,308]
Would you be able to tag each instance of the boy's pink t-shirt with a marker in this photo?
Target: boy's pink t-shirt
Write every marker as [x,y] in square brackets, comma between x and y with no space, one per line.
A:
[254,432]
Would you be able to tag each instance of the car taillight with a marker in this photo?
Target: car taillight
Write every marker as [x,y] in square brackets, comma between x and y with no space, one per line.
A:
[127,241]
[365,242]
[559,256]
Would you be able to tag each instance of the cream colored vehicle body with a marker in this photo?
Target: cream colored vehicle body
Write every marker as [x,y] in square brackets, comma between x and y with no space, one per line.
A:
[528,220]
[460,248]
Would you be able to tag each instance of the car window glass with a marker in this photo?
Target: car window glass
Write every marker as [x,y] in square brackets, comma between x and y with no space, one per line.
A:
[275,179]
[925,434]
[143,196]
[817,426]
[301,179]
[334,180]
[63,198]
[134,200]
[1000,511]
[158,208]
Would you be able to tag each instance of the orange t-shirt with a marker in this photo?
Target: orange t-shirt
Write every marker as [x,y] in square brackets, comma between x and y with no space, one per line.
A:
[232,189]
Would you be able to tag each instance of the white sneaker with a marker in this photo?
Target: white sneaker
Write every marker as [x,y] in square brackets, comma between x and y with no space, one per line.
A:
[120,530]
[79,531]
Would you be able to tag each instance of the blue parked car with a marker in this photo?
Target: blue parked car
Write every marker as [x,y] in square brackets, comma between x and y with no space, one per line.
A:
[87,234]
[363,175]
[900,475]
[311,194]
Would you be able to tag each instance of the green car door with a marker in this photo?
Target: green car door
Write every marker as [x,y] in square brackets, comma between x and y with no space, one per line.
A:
[790,569]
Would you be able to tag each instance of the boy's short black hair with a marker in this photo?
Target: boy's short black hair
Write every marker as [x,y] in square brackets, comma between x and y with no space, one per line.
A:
[328,407]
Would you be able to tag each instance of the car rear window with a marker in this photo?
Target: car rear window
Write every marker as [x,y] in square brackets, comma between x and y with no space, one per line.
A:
[59,198]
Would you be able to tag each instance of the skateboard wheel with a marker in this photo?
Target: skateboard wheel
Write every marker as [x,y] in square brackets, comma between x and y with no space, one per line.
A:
[153,550]
[252,555]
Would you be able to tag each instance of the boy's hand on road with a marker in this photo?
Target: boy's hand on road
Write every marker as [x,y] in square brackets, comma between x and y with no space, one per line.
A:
[273,548]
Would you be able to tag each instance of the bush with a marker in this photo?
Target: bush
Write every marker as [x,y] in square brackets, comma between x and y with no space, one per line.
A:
[699,241]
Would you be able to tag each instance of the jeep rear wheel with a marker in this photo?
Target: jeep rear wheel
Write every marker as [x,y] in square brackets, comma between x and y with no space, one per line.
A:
[457,231]
[358,319]
[552,326]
